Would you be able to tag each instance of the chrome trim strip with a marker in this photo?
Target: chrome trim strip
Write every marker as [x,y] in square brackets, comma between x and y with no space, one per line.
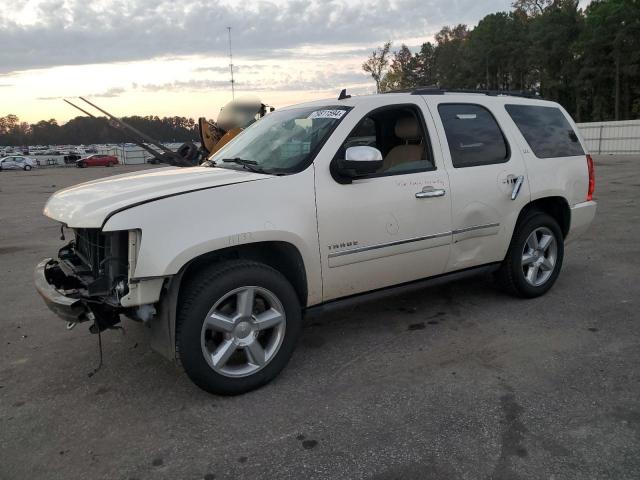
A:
[383,245]
[475,227]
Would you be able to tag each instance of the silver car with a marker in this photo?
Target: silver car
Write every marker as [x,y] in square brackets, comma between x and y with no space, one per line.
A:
[17,162]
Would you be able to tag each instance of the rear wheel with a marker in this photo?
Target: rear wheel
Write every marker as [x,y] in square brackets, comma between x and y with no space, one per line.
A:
[237,326]
[534,259]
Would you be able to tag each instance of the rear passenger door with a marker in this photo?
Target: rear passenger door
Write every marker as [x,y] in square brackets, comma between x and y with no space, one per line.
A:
[487,177]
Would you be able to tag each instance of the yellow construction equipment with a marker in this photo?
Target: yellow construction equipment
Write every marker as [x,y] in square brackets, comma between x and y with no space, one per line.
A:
[234,117]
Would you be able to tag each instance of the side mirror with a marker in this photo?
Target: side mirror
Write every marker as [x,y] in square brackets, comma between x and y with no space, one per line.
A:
[360,161]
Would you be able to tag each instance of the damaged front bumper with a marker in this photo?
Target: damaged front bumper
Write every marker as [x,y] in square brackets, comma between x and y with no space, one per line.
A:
[92,279]
[65,297]
[68,308]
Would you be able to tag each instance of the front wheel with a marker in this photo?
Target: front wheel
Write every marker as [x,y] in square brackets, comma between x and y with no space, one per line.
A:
[534,259]
[27,168]
[237,326]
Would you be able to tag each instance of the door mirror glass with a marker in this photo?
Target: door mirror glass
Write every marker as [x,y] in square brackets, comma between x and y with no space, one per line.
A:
[363,154]
[360,161]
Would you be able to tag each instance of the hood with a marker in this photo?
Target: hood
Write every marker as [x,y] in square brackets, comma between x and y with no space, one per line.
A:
[88,205]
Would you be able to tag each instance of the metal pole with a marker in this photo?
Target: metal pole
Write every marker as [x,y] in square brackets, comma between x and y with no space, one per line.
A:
[233,93]
[134,139]
[600,140]
[145,137]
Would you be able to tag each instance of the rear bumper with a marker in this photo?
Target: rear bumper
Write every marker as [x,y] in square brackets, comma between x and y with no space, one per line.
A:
[67,308]
[582,215]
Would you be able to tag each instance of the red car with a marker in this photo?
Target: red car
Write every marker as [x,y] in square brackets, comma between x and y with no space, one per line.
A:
[97,161]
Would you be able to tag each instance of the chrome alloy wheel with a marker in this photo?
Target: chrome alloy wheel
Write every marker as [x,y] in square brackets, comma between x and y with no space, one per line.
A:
[539,256]
[243,331]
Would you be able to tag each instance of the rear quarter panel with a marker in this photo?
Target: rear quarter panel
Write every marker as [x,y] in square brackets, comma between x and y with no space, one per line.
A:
[565,177]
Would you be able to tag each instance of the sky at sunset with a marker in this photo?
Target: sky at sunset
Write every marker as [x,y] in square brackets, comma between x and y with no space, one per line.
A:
[158,57]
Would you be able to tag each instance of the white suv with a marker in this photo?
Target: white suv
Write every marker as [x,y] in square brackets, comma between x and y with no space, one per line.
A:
[318,204]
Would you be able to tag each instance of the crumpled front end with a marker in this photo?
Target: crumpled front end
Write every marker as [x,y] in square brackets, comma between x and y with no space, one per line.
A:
[90,280]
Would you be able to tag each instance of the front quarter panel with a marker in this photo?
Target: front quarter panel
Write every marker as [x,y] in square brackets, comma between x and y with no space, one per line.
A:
[182,227]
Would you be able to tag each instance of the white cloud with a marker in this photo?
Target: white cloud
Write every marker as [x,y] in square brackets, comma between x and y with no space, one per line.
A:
[73,32]
[168,57]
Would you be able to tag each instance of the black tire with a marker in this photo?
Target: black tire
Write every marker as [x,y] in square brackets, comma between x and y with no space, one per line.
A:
[80,164]
[511,276]
[197,298]
[27,168]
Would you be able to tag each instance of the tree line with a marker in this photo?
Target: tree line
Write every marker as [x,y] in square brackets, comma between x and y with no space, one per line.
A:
[587,60]
[87,130]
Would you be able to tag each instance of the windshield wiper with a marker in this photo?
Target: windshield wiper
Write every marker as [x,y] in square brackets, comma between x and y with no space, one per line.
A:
[250,165]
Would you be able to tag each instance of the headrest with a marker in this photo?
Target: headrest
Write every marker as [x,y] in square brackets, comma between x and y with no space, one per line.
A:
[407,128]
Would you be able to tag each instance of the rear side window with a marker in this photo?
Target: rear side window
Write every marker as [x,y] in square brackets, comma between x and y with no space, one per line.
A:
[546,130]
[473,135]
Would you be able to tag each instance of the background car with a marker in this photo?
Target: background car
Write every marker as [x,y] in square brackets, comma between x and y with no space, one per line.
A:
[97,161]
[17,162]
[71,158]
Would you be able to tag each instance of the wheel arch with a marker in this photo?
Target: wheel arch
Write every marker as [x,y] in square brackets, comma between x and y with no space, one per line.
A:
[555,206]
[281,256]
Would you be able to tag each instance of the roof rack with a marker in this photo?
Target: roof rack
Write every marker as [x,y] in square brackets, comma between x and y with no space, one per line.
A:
[492,93]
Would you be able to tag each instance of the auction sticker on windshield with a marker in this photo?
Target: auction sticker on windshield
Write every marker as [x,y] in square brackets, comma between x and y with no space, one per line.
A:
[327,114]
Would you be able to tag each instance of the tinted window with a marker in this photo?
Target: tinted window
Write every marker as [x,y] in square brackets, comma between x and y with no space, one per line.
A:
[546,130]
[473,135]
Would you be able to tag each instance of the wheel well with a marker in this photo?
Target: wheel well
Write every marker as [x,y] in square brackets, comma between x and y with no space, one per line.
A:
[282,256]
[557,207]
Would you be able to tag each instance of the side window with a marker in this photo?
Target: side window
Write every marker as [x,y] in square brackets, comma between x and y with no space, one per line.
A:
[546,130]
[363,135]
[473,135]
[398,132]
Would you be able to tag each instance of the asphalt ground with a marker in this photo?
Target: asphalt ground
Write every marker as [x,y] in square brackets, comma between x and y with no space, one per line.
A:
[454,382]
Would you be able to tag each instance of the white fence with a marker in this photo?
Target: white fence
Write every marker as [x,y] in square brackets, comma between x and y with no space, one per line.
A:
[612,137]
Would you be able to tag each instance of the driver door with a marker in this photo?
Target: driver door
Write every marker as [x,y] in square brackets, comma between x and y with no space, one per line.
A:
[381,229]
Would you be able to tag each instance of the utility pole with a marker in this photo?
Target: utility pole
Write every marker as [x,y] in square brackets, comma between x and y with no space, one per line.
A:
[233,93]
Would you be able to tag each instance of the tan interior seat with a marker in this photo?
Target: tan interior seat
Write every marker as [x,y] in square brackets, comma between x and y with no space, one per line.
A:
[408,130]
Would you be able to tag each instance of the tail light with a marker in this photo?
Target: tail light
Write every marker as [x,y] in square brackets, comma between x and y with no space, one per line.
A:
[592,178]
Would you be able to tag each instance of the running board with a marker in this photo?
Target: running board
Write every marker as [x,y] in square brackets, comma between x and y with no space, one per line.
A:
[353,300]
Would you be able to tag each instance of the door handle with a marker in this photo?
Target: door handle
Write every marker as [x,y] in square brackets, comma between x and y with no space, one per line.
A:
[517,186]
[432,193]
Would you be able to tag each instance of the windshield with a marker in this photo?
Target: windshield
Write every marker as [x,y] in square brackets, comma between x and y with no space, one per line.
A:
[282,142]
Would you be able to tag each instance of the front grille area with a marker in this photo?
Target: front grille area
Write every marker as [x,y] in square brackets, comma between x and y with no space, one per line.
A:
[91,245]
[98,260]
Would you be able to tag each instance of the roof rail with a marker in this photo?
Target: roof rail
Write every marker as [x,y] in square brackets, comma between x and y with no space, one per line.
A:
[432,90]
[492,93]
